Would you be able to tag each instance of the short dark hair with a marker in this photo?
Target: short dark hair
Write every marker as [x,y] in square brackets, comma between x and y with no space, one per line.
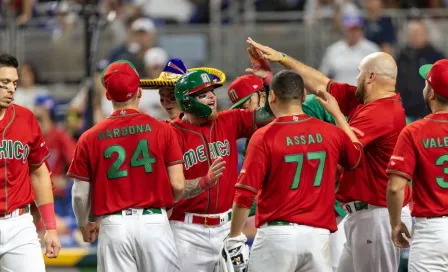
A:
[7,60]
[288,85]
[442,100]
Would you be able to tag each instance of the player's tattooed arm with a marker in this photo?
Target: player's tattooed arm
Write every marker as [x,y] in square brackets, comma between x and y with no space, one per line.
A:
[264,114]
[194,187]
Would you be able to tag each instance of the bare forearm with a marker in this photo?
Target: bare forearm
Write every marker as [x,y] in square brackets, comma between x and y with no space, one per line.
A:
[192,188]
[239,216]
[27,7]
[81,202]
[41,183]
[314,80]
[394,205]
[341,122]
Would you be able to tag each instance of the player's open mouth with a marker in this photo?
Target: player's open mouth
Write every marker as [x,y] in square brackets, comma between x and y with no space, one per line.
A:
[168,109]
[211,104]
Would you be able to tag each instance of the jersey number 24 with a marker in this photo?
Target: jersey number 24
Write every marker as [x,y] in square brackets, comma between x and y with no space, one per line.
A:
[140,157]
[298,158]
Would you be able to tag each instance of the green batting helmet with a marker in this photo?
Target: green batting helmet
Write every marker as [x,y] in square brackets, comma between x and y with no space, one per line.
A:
[189,84]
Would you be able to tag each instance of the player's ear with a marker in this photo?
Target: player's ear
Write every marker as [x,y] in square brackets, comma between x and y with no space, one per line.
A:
[139,93]
[272,97]
[432,95]
[304,96]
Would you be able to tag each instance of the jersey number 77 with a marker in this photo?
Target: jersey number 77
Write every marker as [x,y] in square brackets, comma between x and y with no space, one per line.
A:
[298,158]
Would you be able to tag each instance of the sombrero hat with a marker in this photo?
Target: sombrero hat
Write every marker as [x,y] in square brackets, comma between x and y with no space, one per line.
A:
[173,70]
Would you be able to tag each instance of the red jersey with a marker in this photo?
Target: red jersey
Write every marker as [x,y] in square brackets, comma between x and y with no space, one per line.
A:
[291,164]
[62,148]
[377,126]
[22,147]
[125,158]
[421,155]
[201,145]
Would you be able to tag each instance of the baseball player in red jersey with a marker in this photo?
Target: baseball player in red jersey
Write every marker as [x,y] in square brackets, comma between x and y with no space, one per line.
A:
[24,177]
[376,116]
[200,224]
[131,165]
[290,167]
[421,155]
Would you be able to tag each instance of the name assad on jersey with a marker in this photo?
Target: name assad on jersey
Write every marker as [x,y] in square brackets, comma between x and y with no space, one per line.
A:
[201,145]
[22,147]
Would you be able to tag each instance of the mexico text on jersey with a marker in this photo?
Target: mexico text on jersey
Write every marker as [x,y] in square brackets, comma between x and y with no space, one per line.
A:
[22,147]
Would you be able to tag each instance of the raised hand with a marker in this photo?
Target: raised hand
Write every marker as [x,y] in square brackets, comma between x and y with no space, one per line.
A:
[328,102]
[267,53]
[214,173]
[260,67]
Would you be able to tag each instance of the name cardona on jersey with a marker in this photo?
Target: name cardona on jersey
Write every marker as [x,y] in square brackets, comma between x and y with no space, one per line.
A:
[216,149]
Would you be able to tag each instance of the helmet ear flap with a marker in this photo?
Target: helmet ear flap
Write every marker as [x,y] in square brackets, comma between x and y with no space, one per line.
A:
[191,105]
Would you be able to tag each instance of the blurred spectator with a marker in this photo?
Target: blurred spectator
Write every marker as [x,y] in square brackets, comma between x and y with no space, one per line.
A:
[28,90]
[379,29]
[342,58]
[143,37]
[418,51]
[155,60]
[173,11]
[333,10]
[21,9]
[60,145]
[126,47]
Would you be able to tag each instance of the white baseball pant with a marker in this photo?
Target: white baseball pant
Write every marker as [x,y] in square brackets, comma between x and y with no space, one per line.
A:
[369,246]
[429,245]
[198,246]
[337,241]
[136,242]
[290,248]
[20,249]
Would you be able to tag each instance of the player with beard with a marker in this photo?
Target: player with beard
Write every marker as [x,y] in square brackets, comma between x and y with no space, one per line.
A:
[200,224]
[173,70]
[421,156]
[376,115]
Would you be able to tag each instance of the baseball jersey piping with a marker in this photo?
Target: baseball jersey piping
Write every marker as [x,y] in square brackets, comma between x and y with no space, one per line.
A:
[124,115]
[217,184]
[436,120]
[174,162]
[250,188]
[78,177]
[399,173]
[6,170]
[206,150]
[40,163]
[359,159]
[293,122]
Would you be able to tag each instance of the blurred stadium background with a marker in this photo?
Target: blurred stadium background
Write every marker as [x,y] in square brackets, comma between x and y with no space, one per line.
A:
[62,47]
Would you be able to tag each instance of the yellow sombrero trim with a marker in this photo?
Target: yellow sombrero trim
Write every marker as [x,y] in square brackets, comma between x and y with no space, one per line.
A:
[165,81]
